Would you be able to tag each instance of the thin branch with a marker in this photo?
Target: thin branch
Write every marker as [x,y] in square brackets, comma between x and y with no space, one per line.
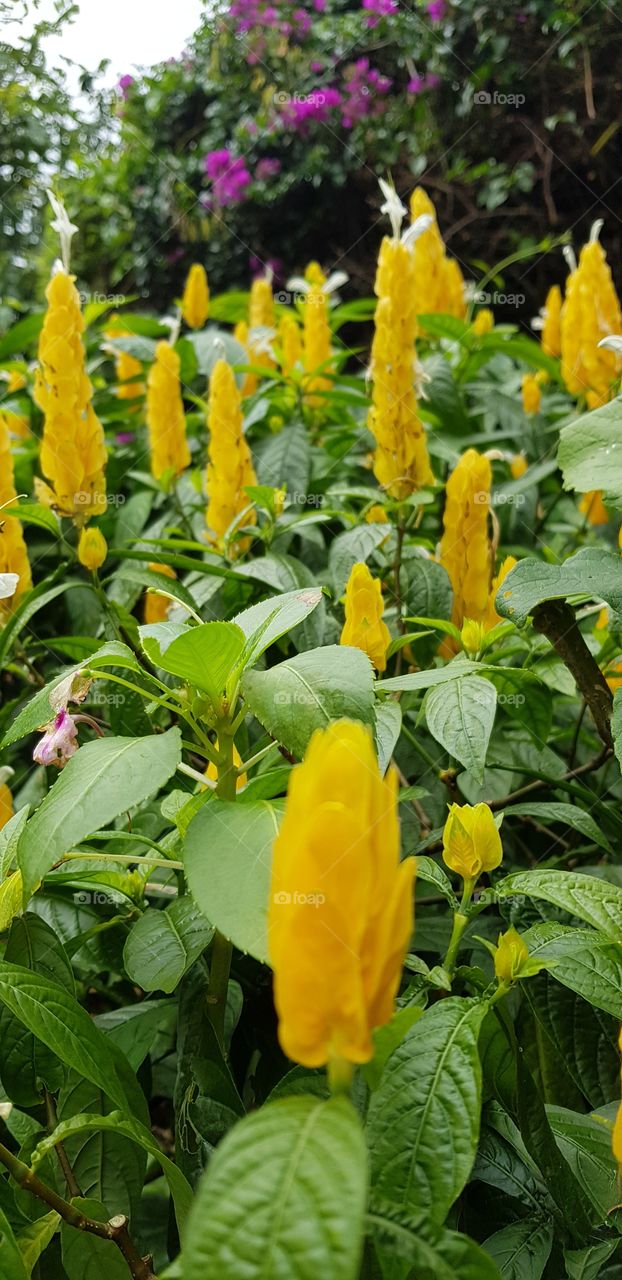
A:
[556,620]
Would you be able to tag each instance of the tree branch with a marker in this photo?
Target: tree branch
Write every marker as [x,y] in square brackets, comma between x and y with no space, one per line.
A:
[556,620]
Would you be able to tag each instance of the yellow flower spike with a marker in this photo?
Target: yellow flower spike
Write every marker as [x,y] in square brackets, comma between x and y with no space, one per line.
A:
[472,637]
[340,914]
[439,286]
[157,608]
[260,316]
[212,772]
[550,340]
[617,1128]
[511,956]
[6,804]
[401,461]
[230,467]
[465,549]
[240,334]
[127,368]
[166,421]
[195,300]
[377,515]
[316,341]
[471,841]
[364,628]
[518,465]
[492,617]
[590,312]
[593,507]
[92,549]
[13,552]
[73,455]
[483,322]
[16,381]
[291,343]
[531,393]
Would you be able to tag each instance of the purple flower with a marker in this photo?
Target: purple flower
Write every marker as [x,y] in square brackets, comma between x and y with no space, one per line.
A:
[59,741]
[419,84]
[229,176]
[379,8]
[317,67]
[319,6]
[269,167]
[436,10]
[314,106]
[125,84]
[125,437]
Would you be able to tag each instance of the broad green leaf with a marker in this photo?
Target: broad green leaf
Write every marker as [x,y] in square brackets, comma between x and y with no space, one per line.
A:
[587,1264]
[590,452]
[415,680]
[285,461]
[428,592]
[522,1249]
[585,1142]
[26,1063]
[38,598]
[163,944]
[595,901]
[9,838]
[569,814]
[434,873]
[584,1037]
[227,857]
[11,893]
[102,780]
[39,710]
[55,1018]
[539,1140]
[214,344]
[587,962]
[386,1039]
[267,621]
[460,717]
[13,1266]
[120,1122]
[205,656]
[310,690]
[616,725]
[288,575]
[36,514]
[21,335]
[33,1240]
[86,1256]
[355,546]
[156,638]
[409,1251]
[134,1027]
[388,728]
[431,1084]
[284,1196]
[593,574]
[108,1166]
[510,1171]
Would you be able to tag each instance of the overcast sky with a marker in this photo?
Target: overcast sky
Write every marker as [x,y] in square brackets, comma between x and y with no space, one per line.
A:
[129,32]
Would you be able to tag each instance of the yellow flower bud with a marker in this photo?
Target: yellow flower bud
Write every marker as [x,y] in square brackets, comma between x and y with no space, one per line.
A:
[127,368]
[166,421]
[551,337]
[260,316]
[510,956]
[531,393]
[92,549]
[518,466]
[593,507]
[483,322]
[157,608]
[13,552]
[6,804]
[377,515]
[363,626]
[212,772]
[195,300]
[341,904]
[471,841]
[279,501]
[472,637]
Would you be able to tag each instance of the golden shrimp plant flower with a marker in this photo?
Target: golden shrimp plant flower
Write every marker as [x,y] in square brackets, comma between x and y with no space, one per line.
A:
[341,904]
[195,300]
[316,341]
[364,627]
[13,553]
[92,549]
[471,841]
[550,337]
[590,312]
[439,285]
[73,454]
[6,798]
[230,467]
[465,549]
[166,421]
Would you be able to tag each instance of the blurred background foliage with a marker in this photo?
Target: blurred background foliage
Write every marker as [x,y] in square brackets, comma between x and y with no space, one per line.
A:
[263,142]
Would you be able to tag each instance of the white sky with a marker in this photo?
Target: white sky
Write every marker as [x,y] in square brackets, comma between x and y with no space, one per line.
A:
[130,32]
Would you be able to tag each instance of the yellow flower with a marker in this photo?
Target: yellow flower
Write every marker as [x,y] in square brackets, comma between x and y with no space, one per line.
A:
[401,461]
[591,311]
[341,905]
[593,507]
[316,336]
[377,515]
[195,300]
[73,456]
[240,333]
[518,465]
[127,368]
[13,553]
[92,549]
[492,617]
[165,414]
[157,608]
[465,549]
[212,772]
[471,841]
[617,1128]
[260,317]
[6,804]
[363,626]
[532,395]
[439,286]
[551,337]
[483,322]
[510,956]
[472,637]
[291,344]
[230,467]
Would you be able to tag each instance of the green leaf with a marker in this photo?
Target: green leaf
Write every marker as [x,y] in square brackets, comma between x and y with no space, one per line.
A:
[163,944]
[284,1196]
[587,1264]
[388,728]
[569,814]
[13,1266]
[585,1143]
[285,461]
[590,452]
[593,574]
[86,1256]
[121,1123]
[616,725]
[20,336]
[415,680]
[386,1039]
[34,1239]
[10,835]
[460,717]
[355,546]
[38,598]
[431,1085]
[426,1253]
[26,1063]
[205,656]
[55,1018]
[428,592]
[214,344]
[537,1135]
[587,962]
[433,873]
[584,1037]
[34,513]
[39,711]
[595,901]
[101,781]
[307,691]
[522,1249]
[267,621]
[227,858]
[108,1167]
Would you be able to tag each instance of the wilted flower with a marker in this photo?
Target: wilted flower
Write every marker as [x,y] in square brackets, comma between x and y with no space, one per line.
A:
[364,628]
[59,742]
[341,904]
[471,841]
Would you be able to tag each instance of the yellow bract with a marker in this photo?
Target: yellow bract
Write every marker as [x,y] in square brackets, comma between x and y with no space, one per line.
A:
[465,549]
[439,286]
[316,339]
[6,804]
[195,300]
[165,414]
[483,322]
[531,393]
[492,617]
[364,627]
[13,553]
[590,311]
[551,334]
[401,462]
[471,841]
[127,368]
[230,466]
[92,549]
[341,904]
[260,316]
[291,343]
[593,507]
[510,956]
[156,608]
[73,455]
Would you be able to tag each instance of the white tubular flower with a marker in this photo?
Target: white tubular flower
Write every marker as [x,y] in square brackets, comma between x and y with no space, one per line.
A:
[612,343]
[393,207]
[8,585]
[570,257]
[416,229]
[66,230]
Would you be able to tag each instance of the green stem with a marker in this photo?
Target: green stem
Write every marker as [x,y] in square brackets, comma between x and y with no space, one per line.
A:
[123,857]
[340,1076]
[461,921]
[222,949]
